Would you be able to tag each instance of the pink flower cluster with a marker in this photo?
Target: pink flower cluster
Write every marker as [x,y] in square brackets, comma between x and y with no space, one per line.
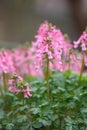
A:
[49,43]
[19,60]
[17,85]
[82,41]
[72,62]
[6,63]
[23,59]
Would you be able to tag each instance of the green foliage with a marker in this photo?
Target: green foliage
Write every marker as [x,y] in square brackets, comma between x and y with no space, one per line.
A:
[65,109]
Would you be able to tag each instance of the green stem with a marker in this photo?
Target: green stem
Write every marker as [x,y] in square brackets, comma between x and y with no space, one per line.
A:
[4,81]
[4,99]
[2,94]
[47,77]
[70,52]
[23,101]
[81,71]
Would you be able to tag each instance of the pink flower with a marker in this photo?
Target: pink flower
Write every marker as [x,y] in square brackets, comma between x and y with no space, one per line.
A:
[17,85]
[82,42]
[27,92]
[24,61]
[6,63]
[49,43]
[73,63]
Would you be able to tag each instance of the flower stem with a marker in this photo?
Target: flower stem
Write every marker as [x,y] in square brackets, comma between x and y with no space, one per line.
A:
[81,71]
[70,52]
[23,101]
[47,76]
[2,94]
[4,81]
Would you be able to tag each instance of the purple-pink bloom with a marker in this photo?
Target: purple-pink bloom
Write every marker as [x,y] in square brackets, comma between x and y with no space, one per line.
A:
[17,85]
[49,43]
[82,42]
[23,59]
[6,62]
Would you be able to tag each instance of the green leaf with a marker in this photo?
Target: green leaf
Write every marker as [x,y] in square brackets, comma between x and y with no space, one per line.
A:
[84,93]
[69,127]
[9,126]
[25,127]
[44,103]
[0,126]
[68,120]
[1,115]
[18,103]
[37,125]
[35,110]
[52,117]
[10,113]
[22,108]
[84,110]
[34,89]
[31,128]
[56,123]
[21,118]
[45,122]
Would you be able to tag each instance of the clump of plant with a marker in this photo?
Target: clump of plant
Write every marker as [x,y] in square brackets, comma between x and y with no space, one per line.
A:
[55,94]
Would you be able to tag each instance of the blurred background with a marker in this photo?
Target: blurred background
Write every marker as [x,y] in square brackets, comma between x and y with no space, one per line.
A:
[20,19]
